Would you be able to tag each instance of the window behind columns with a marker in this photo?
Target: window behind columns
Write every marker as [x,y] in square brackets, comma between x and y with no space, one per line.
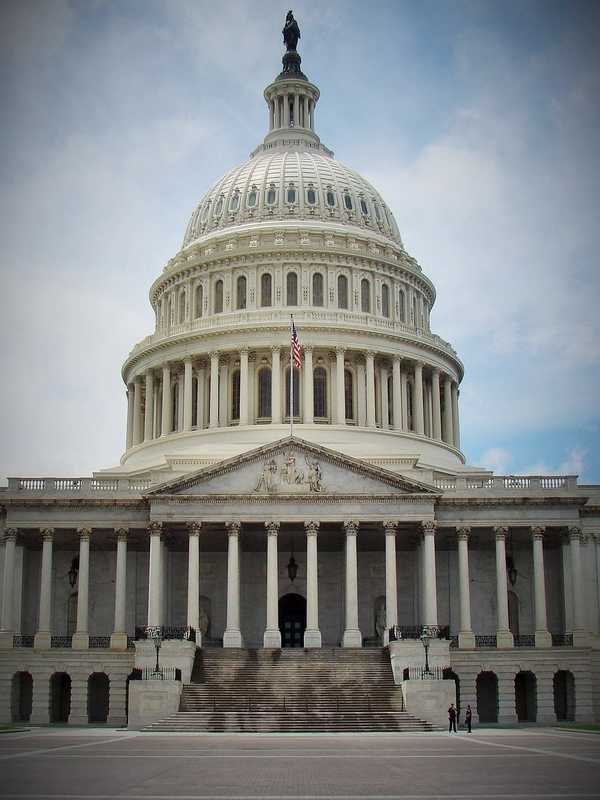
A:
[264,393]
[320,393]
[219,297]
[235,396]
[195,422]
[181,313]
[317,288]
[342,287]
[409,405]
[365,296]
[199,300]
[390,394]
[296,380]
[349,395]
[175,406]
[241,292]
[292,289]
[265,289]
[385,300]
[402,305]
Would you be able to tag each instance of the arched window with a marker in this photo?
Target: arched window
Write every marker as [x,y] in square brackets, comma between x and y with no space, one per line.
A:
[292,289]
[175,407]
[265,289]
[390,395]
[317,287]
[365,296]
[199,300]
[219,297]
[264,393]
[330,198]
[235,396]
[320,393]
[234,202]
[195,422]
[348,201]
[181,312]
[409,406]
[414,311]
[296,380]
[252,198]
[363,207]
[342,286]
[311,197]
[402,305]
[291,195]
[385,300]
[240,300]
[348,394]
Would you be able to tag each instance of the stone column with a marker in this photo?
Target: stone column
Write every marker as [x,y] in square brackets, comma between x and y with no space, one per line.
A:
[188,385]
[130,393]
[437,409]
[309,403]
[44,632]
[276,385]
[580,638]
[244,386]
[149,407]
[224,392]
[504,637]
[233,635]
[429,574]
[193,591]
[296,111]
[370,360]
[455,418]
[542,635]
[214,391]
[404,390]
[419,421]
[396,396]
[272,635]
[8,586]
[81,637]
[201,375]
[383,390]
[448,429]
[118,639]
[154,576]
[312,634]
[167,408]
[391,581]
[466,639]
[340,404]
[352,635]
[137,411]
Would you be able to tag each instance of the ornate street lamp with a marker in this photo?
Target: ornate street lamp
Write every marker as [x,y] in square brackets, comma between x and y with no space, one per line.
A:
[73,572]
[429,633]
[155,634]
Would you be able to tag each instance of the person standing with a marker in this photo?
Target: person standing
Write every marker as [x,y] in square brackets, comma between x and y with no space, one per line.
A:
[468,718]
[451,718]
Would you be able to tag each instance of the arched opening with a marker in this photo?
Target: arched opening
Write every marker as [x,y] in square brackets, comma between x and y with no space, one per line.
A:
[450,675]
[349,395]
[292,289]
[365,296]
[564,695]
[296,380]
[21,697]
[526,696]
[390,396]
[320,393]
[265,289]
[385,300]
[317,287]
[196,423]
[219,297]
[98,693]
[342,287]
[292,620]
[175,406]
[402,305]
[60,697]
[487,697]
[264,393]
[513,613]
[240,298]
[235,396]
[199,299]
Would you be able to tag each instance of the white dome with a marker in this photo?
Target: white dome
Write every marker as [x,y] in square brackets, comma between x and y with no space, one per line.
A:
[301,182]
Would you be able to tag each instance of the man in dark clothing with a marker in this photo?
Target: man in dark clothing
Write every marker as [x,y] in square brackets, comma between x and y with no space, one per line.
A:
[451,718]
[468,717]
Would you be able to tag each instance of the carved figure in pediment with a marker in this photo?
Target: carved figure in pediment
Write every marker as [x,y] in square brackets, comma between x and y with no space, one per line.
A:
[267,476]
[314,476]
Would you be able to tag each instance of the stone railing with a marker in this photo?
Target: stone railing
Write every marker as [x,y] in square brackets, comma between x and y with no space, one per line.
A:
[507,482]
[77,486]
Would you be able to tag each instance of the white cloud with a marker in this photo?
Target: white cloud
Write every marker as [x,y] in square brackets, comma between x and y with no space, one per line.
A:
[496,459]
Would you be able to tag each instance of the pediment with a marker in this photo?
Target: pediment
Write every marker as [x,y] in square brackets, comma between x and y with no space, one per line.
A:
[292,467]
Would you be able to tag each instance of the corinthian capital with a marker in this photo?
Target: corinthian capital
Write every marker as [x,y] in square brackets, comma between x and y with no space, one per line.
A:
[574,532]
[84,534]
[500,532]
[155,528]
[428,527]
[390,526]
[194,528]
[351,527]
[272,528]
[463,532]
[311,527]
[537,532]
[233,527]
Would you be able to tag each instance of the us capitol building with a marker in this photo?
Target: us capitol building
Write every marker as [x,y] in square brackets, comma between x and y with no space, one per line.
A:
[341,514]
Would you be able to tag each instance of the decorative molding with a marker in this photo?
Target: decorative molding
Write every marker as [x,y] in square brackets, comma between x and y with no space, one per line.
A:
[155,528]
[272,528]
[428,527]
[194,528]
[463,532]
[311,527]
[234,527]
[351,527]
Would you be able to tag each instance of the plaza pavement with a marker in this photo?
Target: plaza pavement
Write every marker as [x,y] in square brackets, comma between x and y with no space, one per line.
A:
[98,764]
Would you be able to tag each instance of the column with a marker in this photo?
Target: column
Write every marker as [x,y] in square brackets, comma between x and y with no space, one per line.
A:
[271,114]
[396,396]
[391,582]
[429,574]
[286,111]
[296,111]
[352,635]
[188,385]
[383,390]
[455,418]
[436,405]
[542,636]
[579,634]
[312,115]
[404,391]
[361,394]
[244,387]
[118,640]
[149,407]
[466,639]
[154,576]
[164,580]
[340,394]
[81,637]
[309,404]
[130,393]
[504,637]
[312,634]
[200,396]
[224,392]
[214,391]
[137,411]
[233,635]
[275,385]
[272,635]
[447,430]
[8,586]
[193,590]
[419,422]
[44,632]
[370,359]
[167,409]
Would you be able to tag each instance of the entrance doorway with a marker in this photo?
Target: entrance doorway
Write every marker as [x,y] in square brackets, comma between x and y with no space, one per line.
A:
[525,696]
[292,620]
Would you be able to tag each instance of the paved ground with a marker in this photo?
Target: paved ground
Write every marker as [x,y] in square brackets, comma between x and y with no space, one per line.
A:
[102,764]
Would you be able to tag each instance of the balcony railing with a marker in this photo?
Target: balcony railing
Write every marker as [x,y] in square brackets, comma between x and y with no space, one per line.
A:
[507,482]
[78,486]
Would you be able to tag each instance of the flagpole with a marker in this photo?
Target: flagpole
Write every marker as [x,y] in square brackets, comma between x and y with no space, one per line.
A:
[291,376]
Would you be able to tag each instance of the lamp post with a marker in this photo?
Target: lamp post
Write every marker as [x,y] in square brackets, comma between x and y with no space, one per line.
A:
[426,637]
[155,634]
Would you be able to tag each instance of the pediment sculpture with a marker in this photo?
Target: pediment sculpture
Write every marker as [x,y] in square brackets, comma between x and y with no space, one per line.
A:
[283,475]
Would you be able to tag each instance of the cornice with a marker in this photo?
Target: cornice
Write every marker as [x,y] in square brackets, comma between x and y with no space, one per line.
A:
[279,499]
[496,500]
[78,502]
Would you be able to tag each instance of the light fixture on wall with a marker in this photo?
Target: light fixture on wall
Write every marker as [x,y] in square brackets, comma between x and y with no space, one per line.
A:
[73,573]
[292,567]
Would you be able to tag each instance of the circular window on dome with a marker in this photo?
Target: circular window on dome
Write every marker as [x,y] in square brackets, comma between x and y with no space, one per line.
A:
[252,198]
[311,197]
[348,202]
[234,203]
[363,207]
[330,198]
[271,197]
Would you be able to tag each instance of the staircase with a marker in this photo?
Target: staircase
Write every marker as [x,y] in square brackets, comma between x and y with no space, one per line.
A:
[291,690]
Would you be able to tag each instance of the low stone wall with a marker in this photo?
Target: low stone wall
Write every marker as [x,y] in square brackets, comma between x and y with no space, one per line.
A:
[176,653]
[429,700]
[150,701]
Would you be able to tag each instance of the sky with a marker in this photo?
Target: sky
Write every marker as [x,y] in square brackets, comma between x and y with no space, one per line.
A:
[479,123]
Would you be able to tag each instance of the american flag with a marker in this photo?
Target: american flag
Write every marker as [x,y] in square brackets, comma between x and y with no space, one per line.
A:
[296,351]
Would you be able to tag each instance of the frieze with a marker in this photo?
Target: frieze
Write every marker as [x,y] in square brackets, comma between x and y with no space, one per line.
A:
[284,475]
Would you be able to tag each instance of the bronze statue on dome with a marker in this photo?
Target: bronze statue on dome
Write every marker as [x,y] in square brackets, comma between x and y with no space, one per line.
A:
[291,32]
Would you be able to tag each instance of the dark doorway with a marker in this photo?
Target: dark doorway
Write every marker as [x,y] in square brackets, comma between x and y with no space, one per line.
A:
[98,692]
[450,675]
[292,620]
[60,697]
[22,693]
[487,697]
[564,695]
[525,696]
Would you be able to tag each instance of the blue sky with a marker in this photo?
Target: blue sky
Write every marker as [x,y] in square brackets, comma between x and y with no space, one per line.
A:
[479,122]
